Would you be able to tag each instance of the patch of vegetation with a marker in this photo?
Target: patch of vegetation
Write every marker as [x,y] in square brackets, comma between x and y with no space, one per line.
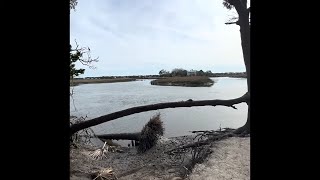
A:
[95,81]
[189,81]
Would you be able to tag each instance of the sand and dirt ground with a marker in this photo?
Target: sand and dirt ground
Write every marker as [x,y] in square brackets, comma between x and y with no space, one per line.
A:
[230,159]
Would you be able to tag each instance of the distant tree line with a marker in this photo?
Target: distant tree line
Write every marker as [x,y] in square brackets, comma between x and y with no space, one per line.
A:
[230,74]
[182,72]
[174,73]
[115,77]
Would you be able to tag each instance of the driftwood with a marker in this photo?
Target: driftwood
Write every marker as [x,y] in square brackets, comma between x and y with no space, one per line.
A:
[102,119]
[211,136]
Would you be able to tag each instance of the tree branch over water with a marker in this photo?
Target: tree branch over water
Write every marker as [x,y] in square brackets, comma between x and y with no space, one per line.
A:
[189,103]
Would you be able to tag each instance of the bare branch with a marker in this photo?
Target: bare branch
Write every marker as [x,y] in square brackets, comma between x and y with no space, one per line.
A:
[102,119]
[233,107]
[233,20]
[85,50]
[76,44]
[237,23]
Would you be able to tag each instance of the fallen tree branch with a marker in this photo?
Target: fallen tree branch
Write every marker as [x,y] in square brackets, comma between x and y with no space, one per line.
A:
[211,131]
[102,119]
[199,143]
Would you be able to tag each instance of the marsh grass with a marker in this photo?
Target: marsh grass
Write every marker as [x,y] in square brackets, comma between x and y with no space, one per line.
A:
[75,82]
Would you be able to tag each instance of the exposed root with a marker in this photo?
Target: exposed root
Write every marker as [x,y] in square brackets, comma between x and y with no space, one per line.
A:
[150,133]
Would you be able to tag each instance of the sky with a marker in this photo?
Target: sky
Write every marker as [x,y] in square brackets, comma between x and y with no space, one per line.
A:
[141,37]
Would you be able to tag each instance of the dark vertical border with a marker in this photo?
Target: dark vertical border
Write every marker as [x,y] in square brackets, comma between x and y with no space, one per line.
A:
[278,87]
[35,90]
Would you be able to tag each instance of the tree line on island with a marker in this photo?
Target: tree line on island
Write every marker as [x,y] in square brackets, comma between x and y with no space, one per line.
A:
[182,73]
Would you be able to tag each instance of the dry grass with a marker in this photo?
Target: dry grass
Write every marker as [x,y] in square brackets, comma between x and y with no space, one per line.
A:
[94,81]
[184,81]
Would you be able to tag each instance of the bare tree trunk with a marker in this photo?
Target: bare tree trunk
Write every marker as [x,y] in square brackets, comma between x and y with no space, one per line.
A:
[243,22]
[245,42]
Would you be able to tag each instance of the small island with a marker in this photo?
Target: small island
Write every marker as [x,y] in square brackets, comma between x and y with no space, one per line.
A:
[188,81]
[182,77]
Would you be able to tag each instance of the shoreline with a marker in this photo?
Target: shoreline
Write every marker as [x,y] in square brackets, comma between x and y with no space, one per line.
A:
[76,82]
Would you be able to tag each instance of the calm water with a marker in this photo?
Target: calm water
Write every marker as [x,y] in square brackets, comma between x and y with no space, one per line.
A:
[96,100]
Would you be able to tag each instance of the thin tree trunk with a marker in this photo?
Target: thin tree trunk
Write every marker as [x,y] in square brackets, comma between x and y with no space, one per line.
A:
[245,42]
[243,12]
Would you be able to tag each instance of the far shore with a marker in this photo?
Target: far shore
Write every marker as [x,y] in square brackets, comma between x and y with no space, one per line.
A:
[164,81]
[76,82]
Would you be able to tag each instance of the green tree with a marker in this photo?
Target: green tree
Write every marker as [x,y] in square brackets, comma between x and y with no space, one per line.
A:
[81,55]
[164,73]
[200,73]
[74,57]
[179,72]
[208,73]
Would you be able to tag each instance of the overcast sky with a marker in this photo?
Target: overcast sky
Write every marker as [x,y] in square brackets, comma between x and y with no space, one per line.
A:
[140,37]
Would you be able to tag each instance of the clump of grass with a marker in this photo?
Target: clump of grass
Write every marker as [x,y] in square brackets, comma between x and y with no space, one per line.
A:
[150,133]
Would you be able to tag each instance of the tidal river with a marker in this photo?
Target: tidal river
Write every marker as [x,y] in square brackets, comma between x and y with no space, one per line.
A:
[94,100]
